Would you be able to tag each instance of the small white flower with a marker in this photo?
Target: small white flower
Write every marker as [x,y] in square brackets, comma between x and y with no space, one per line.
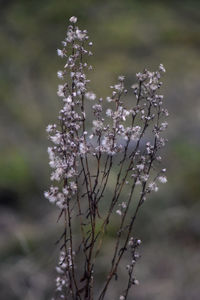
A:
[118,87]
[57,174]
[73,19]
[162,68]
[163,125]
[119,212]
[50,128]
[80,35]
[56,139]
[108,99]
[73,186]
[50,196]
[137,255]
[59,270]
[60,91]
[144,177]
[60,74]
[51,153]
[131,241]
[64,43]
[136,282]
[83,148]
[109,112]
[97,108]
[65,191]
[153,187]
[90,96]
[121,78]
[121,297]
[162,179]
[123,205]
[60,53]
[97,124]
[140,167]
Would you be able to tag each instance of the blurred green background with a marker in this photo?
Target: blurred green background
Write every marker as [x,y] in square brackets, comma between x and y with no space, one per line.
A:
[128,35]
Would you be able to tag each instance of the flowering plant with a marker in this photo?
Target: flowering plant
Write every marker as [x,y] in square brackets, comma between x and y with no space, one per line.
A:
[83,157]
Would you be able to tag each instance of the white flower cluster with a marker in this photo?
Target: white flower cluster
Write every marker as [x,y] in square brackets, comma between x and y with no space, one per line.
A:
[69,144]
[69,139]
[115,128]
[133,245]
[122,206]
[61,279]
[62,269]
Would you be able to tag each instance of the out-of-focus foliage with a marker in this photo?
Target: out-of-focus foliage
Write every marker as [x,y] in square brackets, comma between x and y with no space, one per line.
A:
[128,36]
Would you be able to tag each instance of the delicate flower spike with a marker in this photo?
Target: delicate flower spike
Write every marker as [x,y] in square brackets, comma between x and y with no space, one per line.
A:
[73,19]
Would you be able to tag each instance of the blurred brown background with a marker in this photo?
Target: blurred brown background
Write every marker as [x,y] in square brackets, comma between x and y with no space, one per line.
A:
[128,36]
